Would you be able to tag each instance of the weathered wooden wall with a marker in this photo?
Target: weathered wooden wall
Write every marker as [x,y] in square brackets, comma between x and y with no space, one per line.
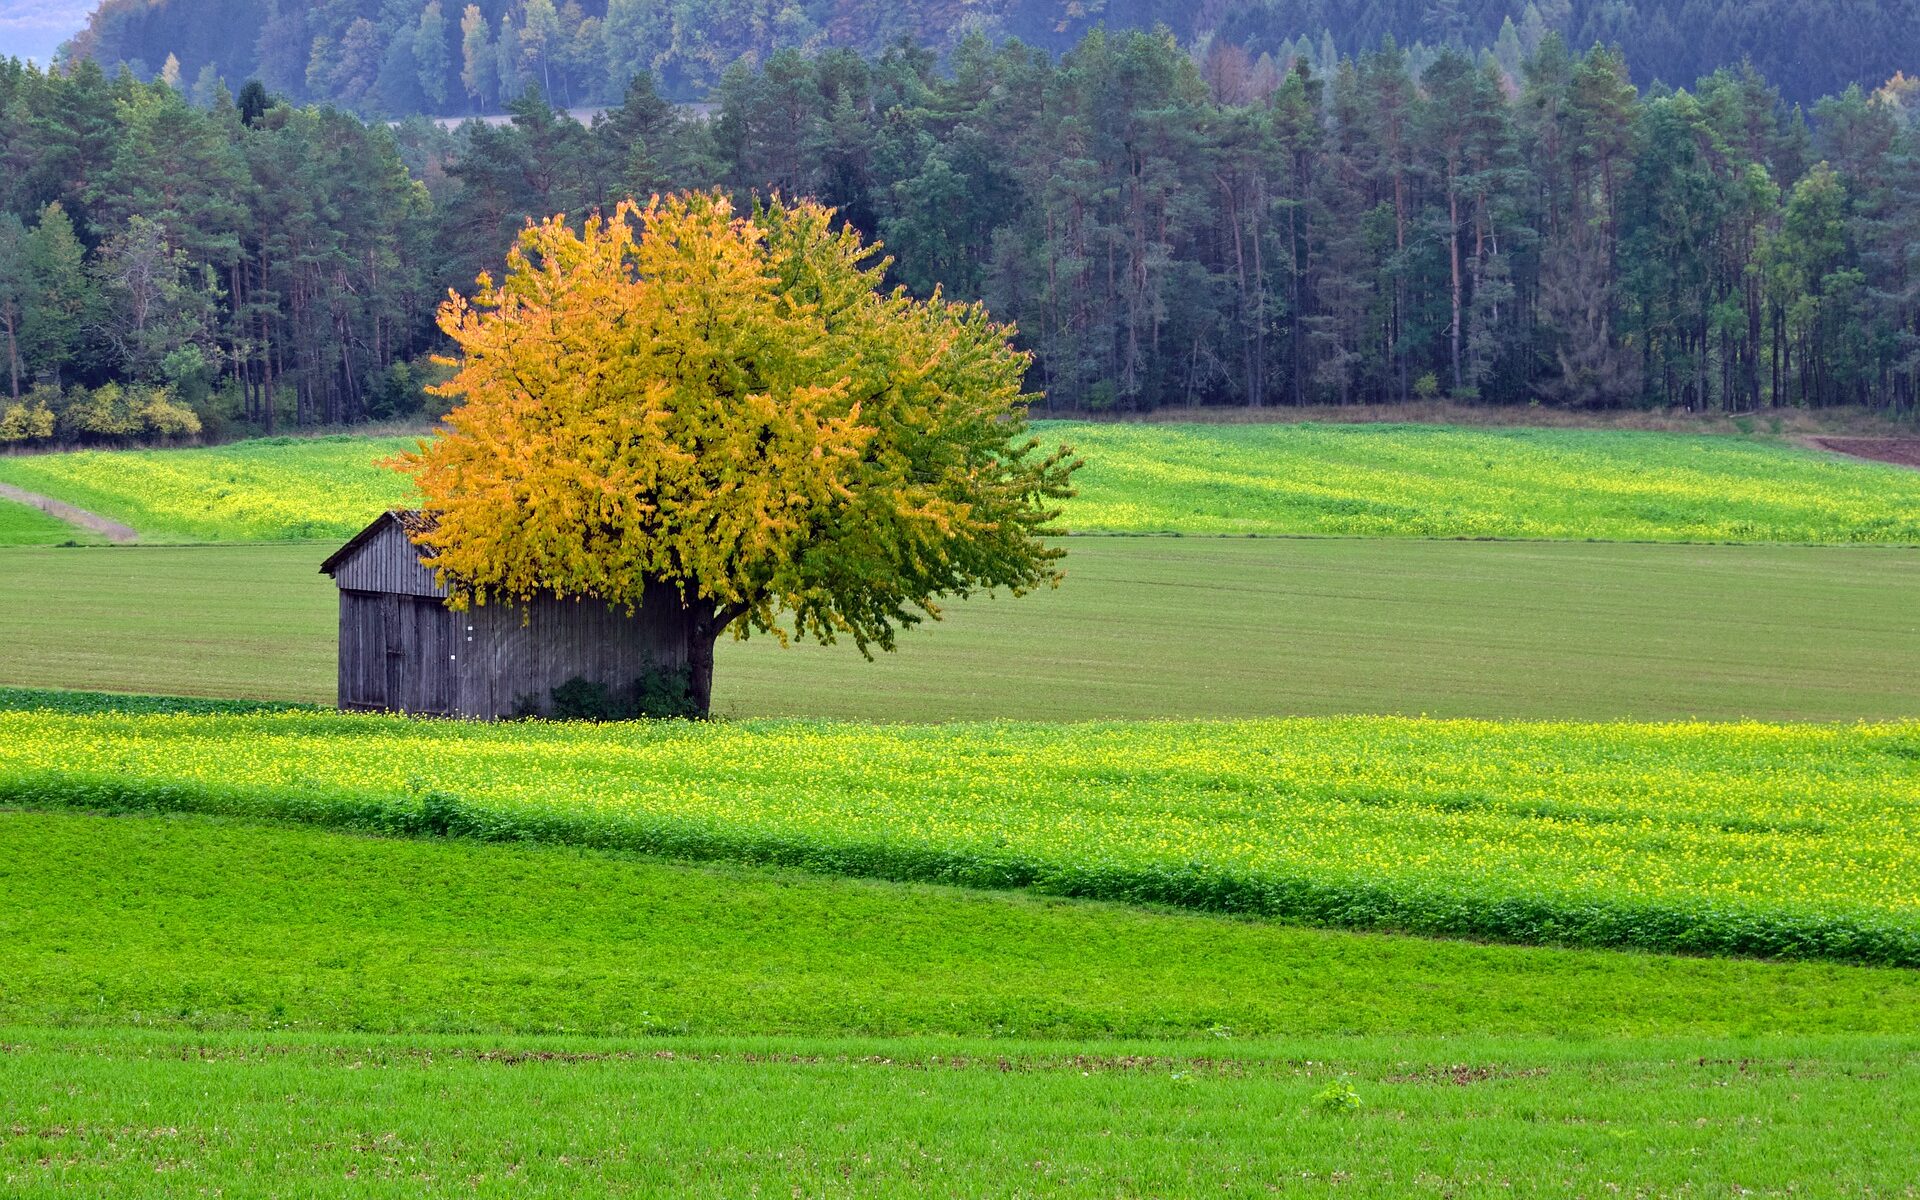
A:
[396,653]
[403,650]
[510,654]
[387,562]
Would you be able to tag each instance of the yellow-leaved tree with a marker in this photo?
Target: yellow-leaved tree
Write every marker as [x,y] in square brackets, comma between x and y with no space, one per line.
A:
[730,405]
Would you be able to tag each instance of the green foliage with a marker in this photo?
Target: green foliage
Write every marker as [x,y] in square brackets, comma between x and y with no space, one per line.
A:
[400,59]
[1231,223]
[1337,1097]
[1791,841]
[1240,222]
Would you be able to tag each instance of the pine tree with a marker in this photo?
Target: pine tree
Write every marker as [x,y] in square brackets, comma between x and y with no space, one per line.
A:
[59,299]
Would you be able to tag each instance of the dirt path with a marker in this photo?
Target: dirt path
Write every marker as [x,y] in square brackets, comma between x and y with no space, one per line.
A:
[113,531]
[1901,451]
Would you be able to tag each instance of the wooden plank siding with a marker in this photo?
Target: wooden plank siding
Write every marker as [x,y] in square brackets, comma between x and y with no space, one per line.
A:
[403,650]
[387,562]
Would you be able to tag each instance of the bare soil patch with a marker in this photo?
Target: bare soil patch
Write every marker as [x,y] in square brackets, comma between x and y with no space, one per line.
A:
[1901,451]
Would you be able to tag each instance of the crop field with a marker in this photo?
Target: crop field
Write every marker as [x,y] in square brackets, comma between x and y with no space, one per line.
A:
[1787,840]
[1309,480]
[1143,627]
[269,489]
[1427,481]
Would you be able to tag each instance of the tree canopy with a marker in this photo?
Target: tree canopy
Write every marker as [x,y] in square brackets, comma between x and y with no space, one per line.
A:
[729,404]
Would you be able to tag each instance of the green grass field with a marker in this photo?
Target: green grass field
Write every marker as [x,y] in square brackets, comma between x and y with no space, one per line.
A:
[23,525]
[1340,480]
[115,921]
[1176,627]
[355,1016]
[146,1114]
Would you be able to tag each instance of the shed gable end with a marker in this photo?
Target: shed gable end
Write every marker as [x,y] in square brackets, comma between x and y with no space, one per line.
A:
[385,561]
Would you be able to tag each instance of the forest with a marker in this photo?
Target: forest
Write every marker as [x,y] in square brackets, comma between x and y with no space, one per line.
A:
[1166,227]
[400,57]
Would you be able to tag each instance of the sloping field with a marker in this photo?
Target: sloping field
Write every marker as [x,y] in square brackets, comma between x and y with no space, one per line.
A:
[134,919]
[1436,481]
[269,489]
[1325,480]
[1801,841]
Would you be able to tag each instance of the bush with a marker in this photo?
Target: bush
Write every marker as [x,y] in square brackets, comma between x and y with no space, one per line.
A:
[395,392]
[26,421]
[656,695]
[113,413]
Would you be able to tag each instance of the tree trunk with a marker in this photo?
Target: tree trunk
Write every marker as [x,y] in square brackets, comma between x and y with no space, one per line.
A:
[1453,254]
[704,623]
[700,642]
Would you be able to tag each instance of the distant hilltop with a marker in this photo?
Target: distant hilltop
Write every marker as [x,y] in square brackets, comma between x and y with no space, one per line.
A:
[397,58]
[35,29]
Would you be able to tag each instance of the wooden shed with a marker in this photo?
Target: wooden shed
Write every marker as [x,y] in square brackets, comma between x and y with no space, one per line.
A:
[403,650]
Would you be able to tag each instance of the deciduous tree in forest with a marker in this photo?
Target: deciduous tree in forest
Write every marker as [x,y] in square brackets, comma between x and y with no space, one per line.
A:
[730,405]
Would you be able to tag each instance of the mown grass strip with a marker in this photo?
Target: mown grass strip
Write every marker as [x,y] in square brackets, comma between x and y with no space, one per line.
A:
[23,525]
[1749,840]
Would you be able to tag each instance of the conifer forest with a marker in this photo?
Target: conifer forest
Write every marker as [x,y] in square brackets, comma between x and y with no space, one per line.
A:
[1497,214]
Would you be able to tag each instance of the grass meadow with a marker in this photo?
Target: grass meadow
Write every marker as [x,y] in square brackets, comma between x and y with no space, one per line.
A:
[373,1016]
[1304,480]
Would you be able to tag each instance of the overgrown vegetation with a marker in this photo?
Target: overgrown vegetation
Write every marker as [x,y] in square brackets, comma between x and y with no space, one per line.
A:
[654,696]
[1793,841]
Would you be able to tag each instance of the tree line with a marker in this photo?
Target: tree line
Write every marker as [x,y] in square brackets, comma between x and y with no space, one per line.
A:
[401,57]
[1166,228]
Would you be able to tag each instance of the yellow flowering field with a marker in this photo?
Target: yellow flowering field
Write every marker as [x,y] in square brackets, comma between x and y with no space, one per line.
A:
[269,489]
[1743,838]
[1332,480]
[1439,481]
